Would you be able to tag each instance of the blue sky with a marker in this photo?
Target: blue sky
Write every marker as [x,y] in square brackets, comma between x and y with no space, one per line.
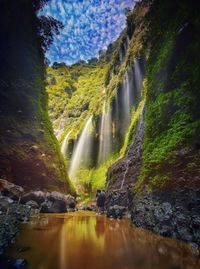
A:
[89,26]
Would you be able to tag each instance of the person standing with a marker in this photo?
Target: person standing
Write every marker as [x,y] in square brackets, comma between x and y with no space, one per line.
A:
[98,201]
[103,199]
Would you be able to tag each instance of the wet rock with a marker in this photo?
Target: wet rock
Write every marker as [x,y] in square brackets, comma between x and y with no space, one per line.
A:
[57,206]
[70,200]
[196,221]
[5,203]
[10,190]
[9,223]
[163,212]
[71,210]
[168,213]
[194,249]
[116,211]
[45,207]
[32,204]
[19,264]
[50,201]
[87,208]
[36,196]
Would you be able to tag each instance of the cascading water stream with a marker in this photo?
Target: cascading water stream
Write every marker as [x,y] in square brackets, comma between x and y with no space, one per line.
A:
[126,102]
[125,174]
[82,150]
[105,134]
[65,143]
[138,75]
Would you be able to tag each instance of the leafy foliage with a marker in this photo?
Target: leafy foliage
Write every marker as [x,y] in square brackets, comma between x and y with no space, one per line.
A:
[172,118]
[47,28]
[75,93]
[29,153]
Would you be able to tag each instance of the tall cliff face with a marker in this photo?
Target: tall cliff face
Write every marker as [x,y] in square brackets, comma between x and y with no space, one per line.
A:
[171,117]
[159,174]
[29,153]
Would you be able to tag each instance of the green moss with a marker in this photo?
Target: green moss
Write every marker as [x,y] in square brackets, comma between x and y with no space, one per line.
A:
[172,118]
[87,181]
[85,83]
[132,128]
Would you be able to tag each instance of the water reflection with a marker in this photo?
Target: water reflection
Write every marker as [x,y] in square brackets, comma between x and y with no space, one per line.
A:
[84,241]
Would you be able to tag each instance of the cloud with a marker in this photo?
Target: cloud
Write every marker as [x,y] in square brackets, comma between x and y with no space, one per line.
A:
[89,26]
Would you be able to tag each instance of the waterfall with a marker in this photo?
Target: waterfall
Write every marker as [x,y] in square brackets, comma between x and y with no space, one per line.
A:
[125,174]
[65,144]
[59,130]
[126,101]
[105,134]
[138,75]
[82,150]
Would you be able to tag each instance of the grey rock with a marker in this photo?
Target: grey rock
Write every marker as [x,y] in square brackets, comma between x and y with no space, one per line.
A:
[32,204]
[116,211]
[194,249]
[19,264]
[36,196]
[57,206]
[10,190]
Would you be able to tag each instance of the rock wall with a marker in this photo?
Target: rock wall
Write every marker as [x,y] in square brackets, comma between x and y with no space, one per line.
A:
[158,178]
[169,212]
[29,152]
[124,173]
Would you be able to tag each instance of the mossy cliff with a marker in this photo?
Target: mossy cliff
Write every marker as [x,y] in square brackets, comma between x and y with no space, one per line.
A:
[171,91]
[29,153]
[161,166]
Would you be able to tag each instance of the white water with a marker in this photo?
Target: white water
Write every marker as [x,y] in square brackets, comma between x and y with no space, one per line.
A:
[60,129]
[65,144]
[126,102]
[125,174]
[105,134]
[138,75]
[82,149]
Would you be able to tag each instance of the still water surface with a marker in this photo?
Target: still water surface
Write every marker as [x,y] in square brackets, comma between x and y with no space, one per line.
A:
[83,240]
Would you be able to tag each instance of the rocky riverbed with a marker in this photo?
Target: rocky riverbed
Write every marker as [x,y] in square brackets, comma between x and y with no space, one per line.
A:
[16,206]
[171,212]
[11,215]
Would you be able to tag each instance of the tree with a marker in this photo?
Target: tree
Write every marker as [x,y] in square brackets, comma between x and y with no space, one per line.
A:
[47,28]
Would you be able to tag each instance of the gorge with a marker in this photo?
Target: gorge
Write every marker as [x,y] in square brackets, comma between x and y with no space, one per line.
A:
[127,122]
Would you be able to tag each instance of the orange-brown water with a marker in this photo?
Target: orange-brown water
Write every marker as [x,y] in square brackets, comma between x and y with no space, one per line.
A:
[83,240]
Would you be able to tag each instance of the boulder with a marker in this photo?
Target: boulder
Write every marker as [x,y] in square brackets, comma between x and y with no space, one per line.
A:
[37,196]
[33,204]
[57,206]
[70,200]
[116,211]
[49,202]
[5,203]
[45,207]
[10,190]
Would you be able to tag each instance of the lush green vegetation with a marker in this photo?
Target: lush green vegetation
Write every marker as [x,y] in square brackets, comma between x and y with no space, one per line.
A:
[29,153]
[75,93]
[172,117]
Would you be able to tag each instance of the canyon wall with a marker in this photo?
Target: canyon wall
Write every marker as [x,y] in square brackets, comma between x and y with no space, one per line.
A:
[161,167]
[29,153]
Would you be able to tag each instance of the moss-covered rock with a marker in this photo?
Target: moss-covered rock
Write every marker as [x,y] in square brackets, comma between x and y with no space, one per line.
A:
[29,153]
